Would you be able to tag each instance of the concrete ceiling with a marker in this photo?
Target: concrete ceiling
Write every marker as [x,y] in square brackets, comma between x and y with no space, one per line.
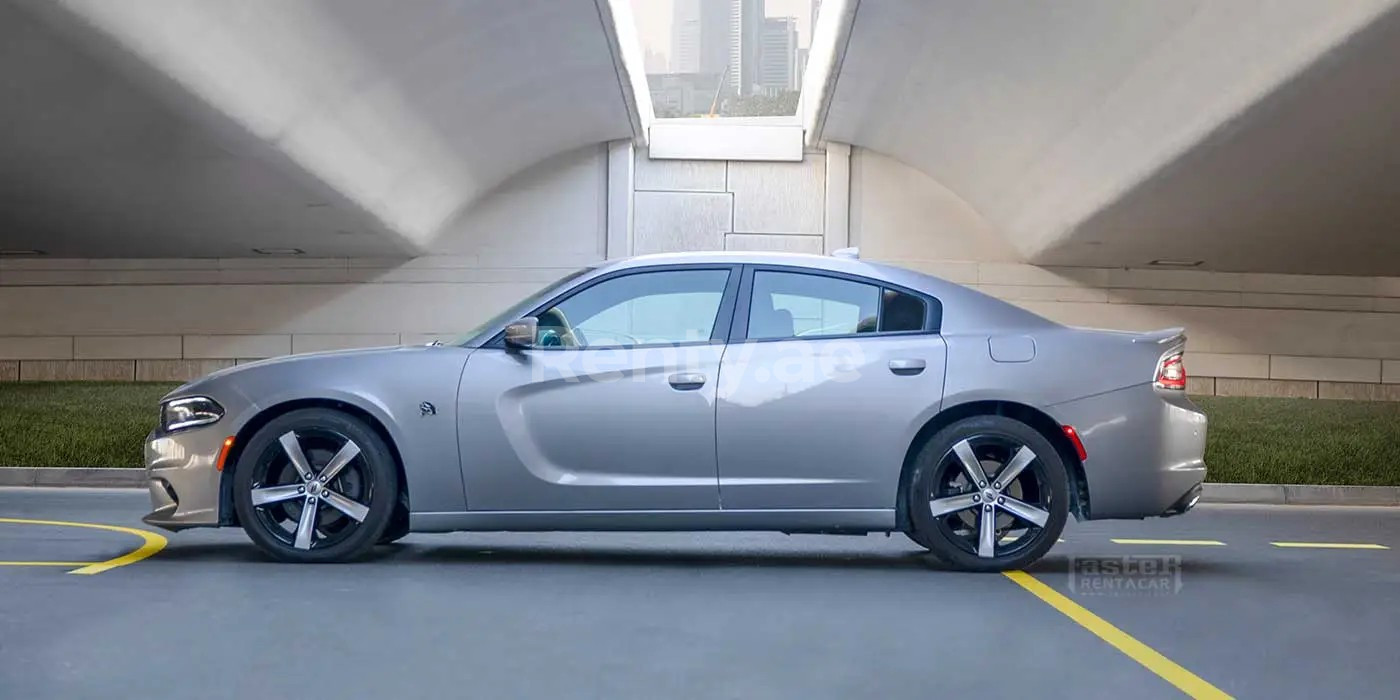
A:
[182,128]
[1254,135]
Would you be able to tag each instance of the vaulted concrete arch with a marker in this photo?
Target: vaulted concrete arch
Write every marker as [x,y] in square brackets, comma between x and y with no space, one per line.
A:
[340,127]
[1252,135]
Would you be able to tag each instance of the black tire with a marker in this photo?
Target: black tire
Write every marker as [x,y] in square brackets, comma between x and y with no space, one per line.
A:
[351,509]
[398,525]
[958,534]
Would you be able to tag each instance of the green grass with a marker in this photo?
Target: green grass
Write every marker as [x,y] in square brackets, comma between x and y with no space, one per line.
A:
[1302,441]
[1252,440]
[76,424]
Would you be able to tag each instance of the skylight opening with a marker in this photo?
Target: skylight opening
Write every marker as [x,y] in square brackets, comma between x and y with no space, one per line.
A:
[738,60]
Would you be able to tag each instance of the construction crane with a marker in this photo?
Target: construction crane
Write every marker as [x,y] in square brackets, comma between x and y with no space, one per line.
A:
[719,89]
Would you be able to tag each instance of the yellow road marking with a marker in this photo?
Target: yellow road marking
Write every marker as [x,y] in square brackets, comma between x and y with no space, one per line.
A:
[46,563]
[1203,543]
[1328,545]
[150,544]
[1185,681]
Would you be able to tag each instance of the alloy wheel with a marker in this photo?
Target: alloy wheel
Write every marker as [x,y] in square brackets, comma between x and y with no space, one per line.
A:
[991,496]
[310,488]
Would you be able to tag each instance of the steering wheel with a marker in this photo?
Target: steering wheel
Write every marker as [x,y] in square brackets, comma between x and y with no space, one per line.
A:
[549,338]
[555,330]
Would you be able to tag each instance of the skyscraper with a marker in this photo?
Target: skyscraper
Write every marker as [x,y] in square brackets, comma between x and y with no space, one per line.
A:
[777,70]
[745,44]
[700,36]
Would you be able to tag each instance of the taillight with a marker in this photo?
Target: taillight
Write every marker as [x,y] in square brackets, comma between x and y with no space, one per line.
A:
[1171,372]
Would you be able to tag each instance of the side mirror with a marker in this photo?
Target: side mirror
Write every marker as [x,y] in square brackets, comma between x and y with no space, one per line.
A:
[520,335]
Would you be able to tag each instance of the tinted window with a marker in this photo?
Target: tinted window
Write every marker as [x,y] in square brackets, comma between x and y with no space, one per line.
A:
[648,308]
[901,312]
[787,305]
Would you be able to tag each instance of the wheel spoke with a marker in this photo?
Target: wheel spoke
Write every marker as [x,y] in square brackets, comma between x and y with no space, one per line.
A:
[292,447]
[345,505]
[970,463]
[276,494]
[987,533]
[1025,511]
[307,525]
[951,504]
[347,452]
[1013,469]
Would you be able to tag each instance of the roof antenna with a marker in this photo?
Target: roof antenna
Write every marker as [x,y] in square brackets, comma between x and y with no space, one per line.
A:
[847,253]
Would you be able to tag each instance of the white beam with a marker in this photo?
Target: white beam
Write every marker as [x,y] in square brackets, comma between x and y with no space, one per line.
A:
[621,178]
[837,231]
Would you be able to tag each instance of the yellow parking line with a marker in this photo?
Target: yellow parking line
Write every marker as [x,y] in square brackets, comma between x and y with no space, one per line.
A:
[1328,545]
[46,563]
[150,544]
[1185,681]
[1189,543]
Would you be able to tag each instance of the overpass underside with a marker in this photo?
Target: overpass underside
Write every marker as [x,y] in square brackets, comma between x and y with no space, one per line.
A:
[278,177]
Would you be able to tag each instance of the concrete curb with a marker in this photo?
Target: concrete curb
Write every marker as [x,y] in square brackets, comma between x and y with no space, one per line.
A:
[1302,494]
[99,477]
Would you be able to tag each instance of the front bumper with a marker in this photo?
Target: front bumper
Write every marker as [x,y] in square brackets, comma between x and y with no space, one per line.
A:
[1146,450]
[182,478]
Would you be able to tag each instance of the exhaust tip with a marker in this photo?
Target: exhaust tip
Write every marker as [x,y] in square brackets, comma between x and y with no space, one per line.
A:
[1185,503]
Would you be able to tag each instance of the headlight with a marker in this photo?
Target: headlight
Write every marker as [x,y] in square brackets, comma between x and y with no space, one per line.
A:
[188,413]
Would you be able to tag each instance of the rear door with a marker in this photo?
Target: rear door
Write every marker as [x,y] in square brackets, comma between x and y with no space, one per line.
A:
[826,381]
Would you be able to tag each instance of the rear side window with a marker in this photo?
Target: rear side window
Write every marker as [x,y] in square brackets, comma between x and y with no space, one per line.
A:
[901,312]
[797,305]
[793,305]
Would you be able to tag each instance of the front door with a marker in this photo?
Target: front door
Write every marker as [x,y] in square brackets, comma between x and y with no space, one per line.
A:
[819,403]
[614,409]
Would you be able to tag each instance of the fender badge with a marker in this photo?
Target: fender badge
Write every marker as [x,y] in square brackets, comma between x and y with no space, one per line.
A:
[427,409]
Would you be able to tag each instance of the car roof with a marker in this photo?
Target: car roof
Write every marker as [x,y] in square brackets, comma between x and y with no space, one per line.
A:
[739,256]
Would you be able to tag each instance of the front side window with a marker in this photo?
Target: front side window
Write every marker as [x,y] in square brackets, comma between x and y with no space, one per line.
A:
[646,308]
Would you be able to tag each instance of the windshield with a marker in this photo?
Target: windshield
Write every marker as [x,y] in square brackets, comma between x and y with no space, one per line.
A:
[514,310]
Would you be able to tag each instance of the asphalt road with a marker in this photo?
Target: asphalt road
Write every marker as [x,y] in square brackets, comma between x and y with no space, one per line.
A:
[746,615]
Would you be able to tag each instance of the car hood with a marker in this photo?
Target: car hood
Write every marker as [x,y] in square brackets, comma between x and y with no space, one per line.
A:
[309,358]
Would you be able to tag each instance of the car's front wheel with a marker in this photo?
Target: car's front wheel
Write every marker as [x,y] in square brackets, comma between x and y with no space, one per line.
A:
[315,485]
[988,493]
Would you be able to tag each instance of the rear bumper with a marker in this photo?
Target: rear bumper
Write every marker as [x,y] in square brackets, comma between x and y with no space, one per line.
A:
[1146,450]
[182,479]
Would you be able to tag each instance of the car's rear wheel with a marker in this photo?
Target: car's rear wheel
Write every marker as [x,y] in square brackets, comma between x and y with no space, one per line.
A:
[988,493]
[315,485]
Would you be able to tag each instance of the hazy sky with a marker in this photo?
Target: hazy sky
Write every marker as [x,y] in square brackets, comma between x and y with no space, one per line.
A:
[654,21]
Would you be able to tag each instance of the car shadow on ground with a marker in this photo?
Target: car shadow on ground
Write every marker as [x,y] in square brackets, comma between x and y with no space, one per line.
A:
[409,554]
[611,556]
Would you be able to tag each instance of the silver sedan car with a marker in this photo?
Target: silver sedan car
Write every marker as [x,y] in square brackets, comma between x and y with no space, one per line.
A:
[699,391]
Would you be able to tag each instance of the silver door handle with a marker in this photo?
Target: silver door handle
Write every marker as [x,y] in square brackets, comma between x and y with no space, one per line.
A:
[904,367]
[685,381]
